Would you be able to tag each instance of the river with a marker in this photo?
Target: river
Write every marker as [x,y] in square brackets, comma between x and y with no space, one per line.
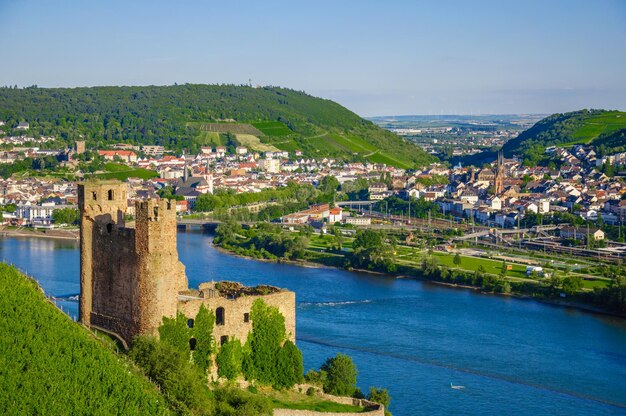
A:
[513,356]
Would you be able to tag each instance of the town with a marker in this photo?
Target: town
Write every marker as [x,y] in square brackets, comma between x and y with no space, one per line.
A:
[576,208]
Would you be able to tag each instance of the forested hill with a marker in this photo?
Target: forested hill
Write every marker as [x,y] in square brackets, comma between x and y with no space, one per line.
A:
[189,116]
[605,130]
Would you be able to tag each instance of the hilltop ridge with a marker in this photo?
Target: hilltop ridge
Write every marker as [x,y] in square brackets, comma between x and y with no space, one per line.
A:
[193,115]
[605,130]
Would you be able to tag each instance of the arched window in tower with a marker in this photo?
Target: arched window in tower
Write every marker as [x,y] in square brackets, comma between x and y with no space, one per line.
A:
[220,316]
[110,195]
[189,323]
[192,344]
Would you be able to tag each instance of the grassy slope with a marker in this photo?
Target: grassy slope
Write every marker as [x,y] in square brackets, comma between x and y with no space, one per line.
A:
[170,116]
[597,127]
[50,365]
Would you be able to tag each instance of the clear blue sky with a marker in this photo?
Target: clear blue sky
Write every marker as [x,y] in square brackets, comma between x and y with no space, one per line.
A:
[374,57]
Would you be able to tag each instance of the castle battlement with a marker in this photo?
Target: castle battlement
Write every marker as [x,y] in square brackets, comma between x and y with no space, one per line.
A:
[155,210]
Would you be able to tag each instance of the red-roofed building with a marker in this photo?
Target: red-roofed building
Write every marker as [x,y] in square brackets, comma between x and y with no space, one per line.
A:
[335,215]
[125,155]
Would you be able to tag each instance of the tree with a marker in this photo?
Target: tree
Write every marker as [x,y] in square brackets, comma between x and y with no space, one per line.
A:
[289,366]
[328,184]
[229,359]
[341,375]
[572,284]
[226,233]
[380,395]
[371,251]
[65,216]
[264,342]
[174,331]
[457,259]
[338,239]
[203,333]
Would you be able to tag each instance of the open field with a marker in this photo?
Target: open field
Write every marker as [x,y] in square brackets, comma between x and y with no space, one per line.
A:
[234,128]
[272,128]
[381,157]
[210,138]
[122,172]
[412,256]
[254,143]
[600,124]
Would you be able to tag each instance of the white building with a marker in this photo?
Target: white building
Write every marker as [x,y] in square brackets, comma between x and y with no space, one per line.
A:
[358,220]
[270,165]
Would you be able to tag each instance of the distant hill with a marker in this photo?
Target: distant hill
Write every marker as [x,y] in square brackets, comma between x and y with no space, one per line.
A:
[51,365]
[189,116]
[606,130]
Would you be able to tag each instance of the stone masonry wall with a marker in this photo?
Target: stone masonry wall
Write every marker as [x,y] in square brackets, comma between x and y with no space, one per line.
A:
[102,206]
[130,278]
[234,310]
[160,275]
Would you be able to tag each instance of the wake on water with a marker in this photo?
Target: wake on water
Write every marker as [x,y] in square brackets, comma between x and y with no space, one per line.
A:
[500,377]
[337,303]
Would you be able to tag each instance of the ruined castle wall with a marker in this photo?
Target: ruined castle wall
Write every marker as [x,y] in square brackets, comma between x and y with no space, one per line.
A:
[235,310]
[102,206]
[114,279]
[160,274]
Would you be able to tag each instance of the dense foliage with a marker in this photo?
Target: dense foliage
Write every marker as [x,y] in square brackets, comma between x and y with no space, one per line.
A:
[175,333]
[203,334]
[185,385]
[229,359]
[50,365]
[263,241]
[174,116]
[65,216]
[371,251]
[224,199]
[270,359]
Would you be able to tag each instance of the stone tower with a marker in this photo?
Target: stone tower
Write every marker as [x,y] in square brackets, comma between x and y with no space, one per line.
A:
[500,174]
[130,277]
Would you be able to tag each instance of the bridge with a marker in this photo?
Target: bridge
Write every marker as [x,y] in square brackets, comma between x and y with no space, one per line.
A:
[499,233]
[359,204]
[208,223]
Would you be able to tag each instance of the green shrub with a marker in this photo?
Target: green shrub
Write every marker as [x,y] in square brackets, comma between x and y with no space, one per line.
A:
[185,387]
[380,395]
[174,331]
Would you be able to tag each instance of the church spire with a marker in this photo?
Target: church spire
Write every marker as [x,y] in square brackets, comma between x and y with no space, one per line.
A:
[185,174]
[500,173]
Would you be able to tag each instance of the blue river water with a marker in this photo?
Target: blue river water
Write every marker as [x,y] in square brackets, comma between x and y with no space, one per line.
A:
[513,357]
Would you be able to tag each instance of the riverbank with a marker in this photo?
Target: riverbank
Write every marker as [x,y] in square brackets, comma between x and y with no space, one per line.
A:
[29,232]
[560,302]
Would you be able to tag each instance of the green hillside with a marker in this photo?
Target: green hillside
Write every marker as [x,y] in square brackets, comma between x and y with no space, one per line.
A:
[606,130]
[189,116]
[49,365]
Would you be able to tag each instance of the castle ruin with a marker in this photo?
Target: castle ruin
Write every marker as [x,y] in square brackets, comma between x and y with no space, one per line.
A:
[130,277]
